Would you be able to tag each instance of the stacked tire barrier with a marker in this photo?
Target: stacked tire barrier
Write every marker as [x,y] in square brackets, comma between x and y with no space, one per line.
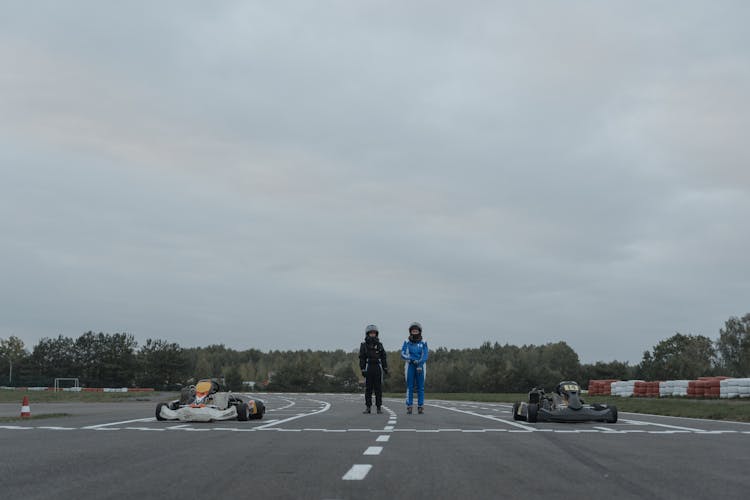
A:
[624,388]
[673,388]
[601,387]
[705,387]
[734,388]
[646,389]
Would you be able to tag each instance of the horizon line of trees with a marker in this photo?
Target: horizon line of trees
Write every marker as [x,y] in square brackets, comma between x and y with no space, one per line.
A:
[116,360]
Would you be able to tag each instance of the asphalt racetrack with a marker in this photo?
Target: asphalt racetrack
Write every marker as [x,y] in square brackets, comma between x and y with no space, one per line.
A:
[321,446]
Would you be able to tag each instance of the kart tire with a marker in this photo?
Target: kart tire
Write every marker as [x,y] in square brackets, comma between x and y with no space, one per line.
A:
[531,413]
[261,409]
[242,412]
[516,416]
[612,419]
[158,412]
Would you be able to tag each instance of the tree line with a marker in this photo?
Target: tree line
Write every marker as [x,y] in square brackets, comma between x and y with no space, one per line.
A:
[116,360]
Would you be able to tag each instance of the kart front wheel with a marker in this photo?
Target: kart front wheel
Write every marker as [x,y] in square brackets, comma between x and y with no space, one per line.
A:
[531,413]
[516,416]
[260,409]
[243,412]
[158,411]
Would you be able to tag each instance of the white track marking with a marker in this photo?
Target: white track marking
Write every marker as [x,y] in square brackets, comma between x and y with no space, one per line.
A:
[489,417]
[684,418]
[677,427]
[373,450]
[383,439]
[15,427]
[388,428]
[324,409]
[357,472]
[52,428]
[99,426]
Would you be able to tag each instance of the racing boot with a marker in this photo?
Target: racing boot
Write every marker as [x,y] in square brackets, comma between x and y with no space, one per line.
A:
[408,410]
[420,409]
[367,410]
[379,410]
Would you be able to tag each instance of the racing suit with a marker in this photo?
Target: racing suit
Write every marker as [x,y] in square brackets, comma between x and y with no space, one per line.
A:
[415,369]
[374,363]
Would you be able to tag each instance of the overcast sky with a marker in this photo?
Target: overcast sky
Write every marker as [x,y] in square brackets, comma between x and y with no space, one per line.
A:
[278,175]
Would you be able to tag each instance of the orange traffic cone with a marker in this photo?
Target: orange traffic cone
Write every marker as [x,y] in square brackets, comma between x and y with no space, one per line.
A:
[25,408]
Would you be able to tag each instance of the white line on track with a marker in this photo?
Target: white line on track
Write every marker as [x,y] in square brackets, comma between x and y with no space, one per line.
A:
[357,472]
[99,426]
[326,407]
[666,426]
[489,417]
[383,439]
[373,450]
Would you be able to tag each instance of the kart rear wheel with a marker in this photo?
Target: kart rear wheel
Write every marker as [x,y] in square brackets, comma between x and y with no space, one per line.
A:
[531,413]
[243,412]
[158,411]
[516,416]
[613,415]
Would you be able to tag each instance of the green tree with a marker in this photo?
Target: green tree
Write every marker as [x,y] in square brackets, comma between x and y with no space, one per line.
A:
[733,346]
[161,364]
[679,357]
[12,351]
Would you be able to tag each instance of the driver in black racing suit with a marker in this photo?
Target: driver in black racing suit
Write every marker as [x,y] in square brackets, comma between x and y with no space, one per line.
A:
[374,365]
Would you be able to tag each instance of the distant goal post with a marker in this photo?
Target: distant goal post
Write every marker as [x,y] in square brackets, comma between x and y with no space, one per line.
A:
[75,387]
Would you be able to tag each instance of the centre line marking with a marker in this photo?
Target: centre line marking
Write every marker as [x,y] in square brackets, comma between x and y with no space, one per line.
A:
[388,428]
[357,472]
[383,439]
[373,450]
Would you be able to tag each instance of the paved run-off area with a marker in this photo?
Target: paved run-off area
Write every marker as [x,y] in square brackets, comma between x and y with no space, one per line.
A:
[321,446]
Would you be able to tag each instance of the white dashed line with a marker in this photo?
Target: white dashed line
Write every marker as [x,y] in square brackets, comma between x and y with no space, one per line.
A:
[383,439]
[357,473]
[373,450]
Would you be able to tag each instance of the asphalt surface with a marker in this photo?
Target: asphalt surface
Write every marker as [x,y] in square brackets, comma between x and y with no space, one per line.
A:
[321,446]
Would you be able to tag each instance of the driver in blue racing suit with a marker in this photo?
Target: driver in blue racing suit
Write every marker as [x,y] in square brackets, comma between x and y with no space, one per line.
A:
[414,353]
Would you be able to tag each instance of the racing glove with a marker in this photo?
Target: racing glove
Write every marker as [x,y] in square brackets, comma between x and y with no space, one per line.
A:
[419,369]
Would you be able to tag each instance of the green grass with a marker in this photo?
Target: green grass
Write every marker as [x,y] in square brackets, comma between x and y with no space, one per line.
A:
[7,396]
[737,410]
[34,417]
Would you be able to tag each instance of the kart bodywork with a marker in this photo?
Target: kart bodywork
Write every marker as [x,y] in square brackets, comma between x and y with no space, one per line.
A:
[206,402]
[563,405]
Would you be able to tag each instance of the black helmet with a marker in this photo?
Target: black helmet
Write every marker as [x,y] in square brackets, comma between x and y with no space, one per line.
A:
[417,337]
[371,328]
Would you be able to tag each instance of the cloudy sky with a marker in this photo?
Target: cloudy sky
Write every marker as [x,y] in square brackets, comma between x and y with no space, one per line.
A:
[278,175]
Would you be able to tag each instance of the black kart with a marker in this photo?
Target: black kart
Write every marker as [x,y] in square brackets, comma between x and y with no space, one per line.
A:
[563,405]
